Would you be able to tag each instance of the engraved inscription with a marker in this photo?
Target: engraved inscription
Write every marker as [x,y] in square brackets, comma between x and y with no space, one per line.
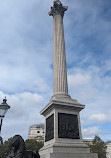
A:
[49,128]
[68,126]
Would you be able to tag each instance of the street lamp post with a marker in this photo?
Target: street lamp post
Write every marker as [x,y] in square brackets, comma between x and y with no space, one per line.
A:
[3,109]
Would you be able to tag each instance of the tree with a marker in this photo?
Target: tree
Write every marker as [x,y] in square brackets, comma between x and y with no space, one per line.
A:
[32,144]
[98,146]
[4,148]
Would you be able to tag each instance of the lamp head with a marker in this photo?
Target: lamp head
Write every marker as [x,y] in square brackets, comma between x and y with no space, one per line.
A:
[3,108]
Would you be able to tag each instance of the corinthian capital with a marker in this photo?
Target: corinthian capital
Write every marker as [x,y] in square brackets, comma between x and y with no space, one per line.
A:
[57,8]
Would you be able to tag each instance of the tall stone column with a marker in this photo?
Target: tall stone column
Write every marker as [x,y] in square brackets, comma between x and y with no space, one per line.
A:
[63,138]
[59,57]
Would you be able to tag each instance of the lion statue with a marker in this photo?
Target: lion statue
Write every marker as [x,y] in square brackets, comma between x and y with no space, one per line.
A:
[17,149]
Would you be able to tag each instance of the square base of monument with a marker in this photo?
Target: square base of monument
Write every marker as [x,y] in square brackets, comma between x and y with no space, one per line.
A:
[66,152]
[62,155]
[63,137]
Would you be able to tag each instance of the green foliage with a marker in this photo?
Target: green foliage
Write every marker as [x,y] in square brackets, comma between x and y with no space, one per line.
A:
[98,147]
[32,144]
[4,148]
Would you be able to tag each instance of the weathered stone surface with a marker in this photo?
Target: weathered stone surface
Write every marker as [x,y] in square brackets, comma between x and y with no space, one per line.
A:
[17,149]
[67,155]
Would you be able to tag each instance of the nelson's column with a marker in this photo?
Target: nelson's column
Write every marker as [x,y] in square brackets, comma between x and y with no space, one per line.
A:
[63,137]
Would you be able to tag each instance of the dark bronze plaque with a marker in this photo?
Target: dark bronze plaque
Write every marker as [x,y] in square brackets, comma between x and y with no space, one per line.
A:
[68,126]
[49,128]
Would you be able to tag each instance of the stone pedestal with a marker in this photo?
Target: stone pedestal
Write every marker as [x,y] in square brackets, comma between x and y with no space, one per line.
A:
[63,137]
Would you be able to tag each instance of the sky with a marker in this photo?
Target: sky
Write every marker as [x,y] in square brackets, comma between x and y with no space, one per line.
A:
[26,62]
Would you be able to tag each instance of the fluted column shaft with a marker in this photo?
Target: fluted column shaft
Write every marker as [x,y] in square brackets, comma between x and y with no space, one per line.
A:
[59,65]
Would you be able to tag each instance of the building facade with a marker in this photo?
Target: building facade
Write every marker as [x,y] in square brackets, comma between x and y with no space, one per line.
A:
[36,132]
[88,141]
[108,150]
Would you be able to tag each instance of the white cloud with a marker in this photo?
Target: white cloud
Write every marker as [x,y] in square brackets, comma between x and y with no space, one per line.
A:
[100,118]
[25,55]
[78,79]
[92,131]
[26,77]
[24,111]
[91,88]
